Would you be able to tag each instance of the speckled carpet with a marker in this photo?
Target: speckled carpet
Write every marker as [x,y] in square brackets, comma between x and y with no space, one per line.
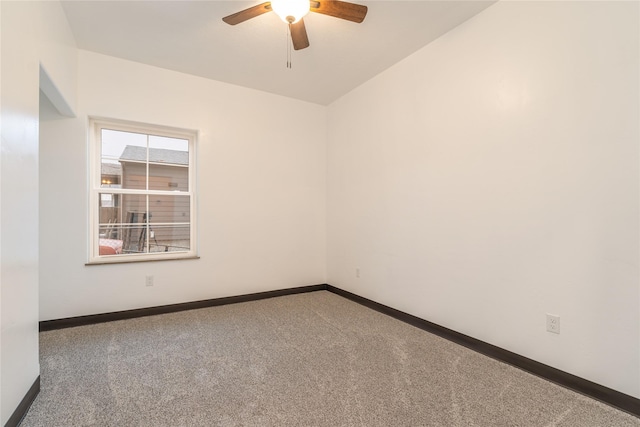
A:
[312,359]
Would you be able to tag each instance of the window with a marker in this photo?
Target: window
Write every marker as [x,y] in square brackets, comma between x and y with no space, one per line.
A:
[142,192]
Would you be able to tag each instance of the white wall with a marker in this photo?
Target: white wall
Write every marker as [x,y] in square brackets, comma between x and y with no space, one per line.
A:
[492,177]
[488,179]
[34,34]
[261,191]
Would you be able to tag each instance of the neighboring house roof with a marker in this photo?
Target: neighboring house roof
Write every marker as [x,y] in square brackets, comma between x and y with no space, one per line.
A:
[111,169]
[133,153]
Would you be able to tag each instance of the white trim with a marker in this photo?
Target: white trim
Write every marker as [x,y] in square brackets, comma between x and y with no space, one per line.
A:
[96,125]
[176,165]
[142,128]
[136,191]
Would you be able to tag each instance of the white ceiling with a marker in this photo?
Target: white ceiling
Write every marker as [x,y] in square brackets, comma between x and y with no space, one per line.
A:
[190,37]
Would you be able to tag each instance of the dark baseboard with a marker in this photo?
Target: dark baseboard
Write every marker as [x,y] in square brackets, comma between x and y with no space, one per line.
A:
[49,325]
[25,404]
[604,394]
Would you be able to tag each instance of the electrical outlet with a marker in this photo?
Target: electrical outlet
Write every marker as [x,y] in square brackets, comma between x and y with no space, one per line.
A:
[358,273]
[553,323]
[148,281]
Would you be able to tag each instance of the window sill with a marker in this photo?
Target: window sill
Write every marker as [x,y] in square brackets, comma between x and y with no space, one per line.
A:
[130,260]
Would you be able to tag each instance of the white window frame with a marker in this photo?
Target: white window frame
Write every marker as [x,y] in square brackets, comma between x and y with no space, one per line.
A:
[96,125]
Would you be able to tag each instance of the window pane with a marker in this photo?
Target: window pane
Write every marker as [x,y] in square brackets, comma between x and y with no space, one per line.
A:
[134,228]
[110,175]
[166,143]
[110,225]
[169,209]
[109,215]
[168,178]
[169,164]
[123,227]
[119,150]
[170,222]
[106,200]
[170,238]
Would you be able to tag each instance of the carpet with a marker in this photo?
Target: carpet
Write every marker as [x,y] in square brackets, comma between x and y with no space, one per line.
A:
[314,359]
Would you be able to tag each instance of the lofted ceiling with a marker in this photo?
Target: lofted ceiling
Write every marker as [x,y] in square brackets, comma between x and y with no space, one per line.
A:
[190,37]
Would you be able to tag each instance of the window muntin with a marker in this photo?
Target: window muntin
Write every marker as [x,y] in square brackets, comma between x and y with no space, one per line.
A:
[142,192]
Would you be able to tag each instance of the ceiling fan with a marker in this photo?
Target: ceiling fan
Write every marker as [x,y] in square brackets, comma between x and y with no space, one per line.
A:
[292,11]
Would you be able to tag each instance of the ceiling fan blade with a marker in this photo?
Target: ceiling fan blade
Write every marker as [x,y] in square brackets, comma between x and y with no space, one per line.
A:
[249,13]
[299,35]
[340,9]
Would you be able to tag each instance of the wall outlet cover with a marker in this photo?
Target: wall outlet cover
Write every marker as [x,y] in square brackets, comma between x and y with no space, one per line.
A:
[553,323]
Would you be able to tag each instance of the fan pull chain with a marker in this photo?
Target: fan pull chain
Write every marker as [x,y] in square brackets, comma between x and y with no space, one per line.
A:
[289,46]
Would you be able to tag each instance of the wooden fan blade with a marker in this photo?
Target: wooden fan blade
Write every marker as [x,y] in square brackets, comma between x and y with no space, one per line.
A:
[340,9]
[246,14]
[299,35]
